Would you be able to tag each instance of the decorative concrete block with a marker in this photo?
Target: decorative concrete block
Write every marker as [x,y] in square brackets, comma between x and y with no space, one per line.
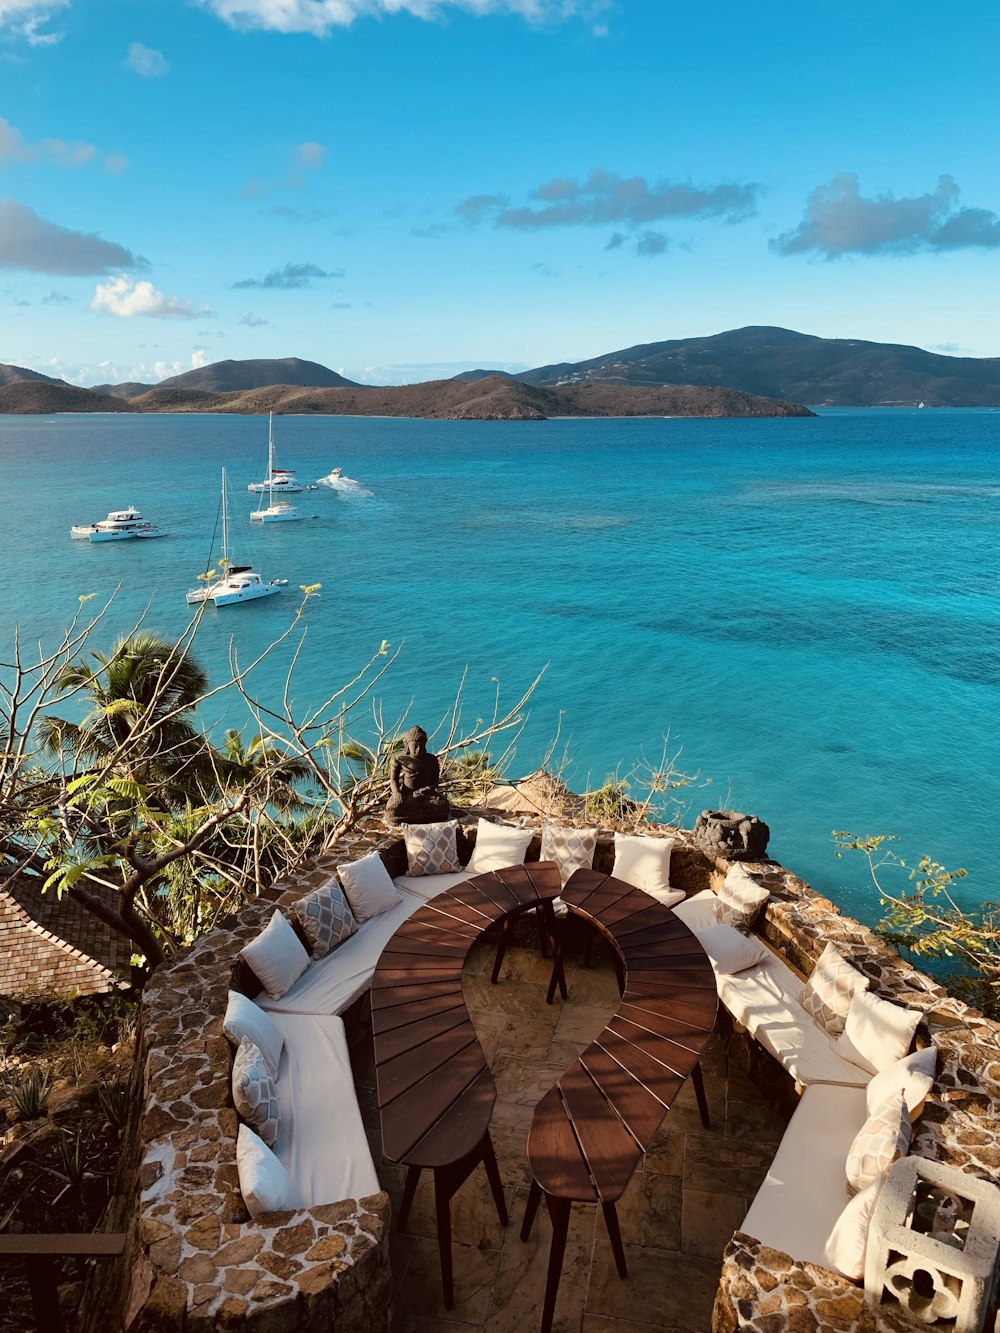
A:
[933,1245]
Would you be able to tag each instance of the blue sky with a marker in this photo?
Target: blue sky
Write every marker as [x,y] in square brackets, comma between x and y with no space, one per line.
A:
[401,189]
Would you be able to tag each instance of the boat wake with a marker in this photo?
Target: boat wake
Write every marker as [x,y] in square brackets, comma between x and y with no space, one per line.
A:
[346,486]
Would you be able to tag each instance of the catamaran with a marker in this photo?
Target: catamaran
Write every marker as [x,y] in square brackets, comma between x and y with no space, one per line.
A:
[280,479]
[231,583]
[276,511]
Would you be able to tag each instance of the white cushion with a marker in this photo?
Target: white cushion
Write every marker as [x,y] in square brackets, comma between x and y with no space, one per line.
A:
[321,1142]
[277,956]
[827,994]
[804,1191]
[642,861]
[881,1140]
[246,1019]
[325,917]
[876,1033]
[913,1076]
[335,982]
[254,1091]
[498,846]
[847,1242]
[571,848]
[264,1182]
[431,849]
[740,898]
[729,951]
[765,1000]
[699,912]
[368,887]
[427,887]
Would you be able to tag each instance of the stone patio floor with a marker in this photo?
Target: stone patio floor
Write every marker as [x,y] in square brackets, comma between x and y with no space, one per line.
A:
[689,1194]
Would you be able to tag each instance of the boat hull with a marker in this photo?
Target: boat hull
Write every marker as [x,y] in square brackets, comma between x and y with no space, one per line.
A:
[268,516]
[286,487]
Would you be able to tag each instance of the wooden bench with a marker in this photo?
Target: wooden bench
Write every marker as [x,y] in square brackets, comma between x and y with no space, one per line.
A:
[435,1091]
[590,1131]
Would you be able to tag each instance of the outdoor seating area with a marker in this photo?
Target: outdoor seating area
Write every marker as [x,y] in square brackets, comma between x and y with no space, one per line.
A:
[285,1209]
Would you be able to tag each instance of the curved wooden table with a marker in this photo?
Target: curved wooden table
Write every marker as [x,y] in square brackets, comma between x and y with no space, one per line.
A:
[435,1091]
[590,1131]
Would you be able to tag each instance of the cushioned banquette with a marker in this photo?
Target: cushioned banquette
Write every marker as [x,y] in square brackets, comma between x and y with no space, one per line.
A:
[805,1203]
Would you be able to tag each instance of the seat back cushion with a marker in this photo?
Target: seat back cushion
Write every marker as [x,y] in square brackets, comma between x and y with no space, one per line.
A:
[847,1243]
[431,849]
[571,848]
[246,1019]
[254,1091]
[729,951]
[367,887]
[740,898]
[913,1076]
[876,1032]
[827,995]
[325,917]
[498,846]
[643,861]
[276,956]
[264,1182]
[884,1137]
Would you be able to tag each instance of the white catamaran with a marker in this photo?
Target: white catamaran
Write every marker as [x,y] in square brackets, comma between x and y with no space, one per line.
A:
[276,511]
[119,525]
[236,583]
[280,479]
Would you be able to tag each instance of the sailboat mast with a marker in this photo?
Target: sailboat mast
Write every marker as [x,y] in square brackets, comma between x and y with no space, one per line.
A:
[225,524]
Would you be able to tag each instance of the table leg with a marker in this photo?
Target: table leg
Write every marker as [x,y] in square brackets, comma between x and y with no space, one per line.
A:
[496,1184]
[559,1213]
[558,977]
[699,1092]
[442,1208]
[542,922]
[409,1189]
[531,1208]
[615,1237]
[501,949]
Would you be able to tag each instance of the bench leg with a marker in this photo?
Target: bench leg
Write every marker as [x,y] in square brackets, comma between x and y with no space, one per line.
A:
[501,949]
[42,1284]
[699,1092]
[496,1184]
[558,977]
[615,1237]
[442,1208]
[543,923]
[559,1213]
[409,1189]
[531,1208]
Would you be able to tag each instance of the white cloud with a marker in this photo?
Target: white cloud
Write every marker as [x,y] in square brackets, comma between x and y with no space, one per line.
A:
[318,17]
[107,371]
[38,246]
[124,299]
[25,17]
[253,321]
[14,148]
[145,61]
[308,156]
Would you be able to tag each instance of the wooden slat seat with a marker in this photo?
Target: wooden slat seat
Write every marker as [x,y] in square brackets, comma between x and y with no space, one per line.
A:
[590,1131]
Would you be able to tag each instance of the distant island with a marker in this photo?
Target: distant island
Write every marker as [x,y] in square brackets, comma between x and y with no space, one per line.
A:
[491,398]
[756,371]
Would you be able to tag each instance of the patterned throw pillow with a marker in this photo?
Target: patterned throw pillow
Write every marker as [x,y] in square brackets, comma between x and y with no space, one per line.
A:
[882,1140]
[431,849]
[740,898]
[325,917]
[827,994]
[571,848]
[254,1092]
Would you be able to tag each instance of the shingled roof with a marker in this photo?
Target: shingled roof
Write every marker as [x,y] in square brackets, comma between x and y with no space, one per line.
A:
[52,945]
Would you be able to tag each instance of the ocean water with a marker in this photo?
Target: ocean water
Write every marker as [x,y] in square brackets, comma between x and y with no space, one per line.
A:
[806,609]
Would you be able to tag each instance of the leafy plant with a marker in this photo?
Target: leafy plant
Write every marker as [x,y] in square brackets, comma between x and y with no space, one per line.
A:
[29,1091]
[113,1095]
[923,918]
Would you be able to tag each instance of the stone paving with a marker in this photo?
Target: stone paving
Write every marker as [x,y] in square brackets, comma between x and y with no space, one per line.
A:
[687,1198]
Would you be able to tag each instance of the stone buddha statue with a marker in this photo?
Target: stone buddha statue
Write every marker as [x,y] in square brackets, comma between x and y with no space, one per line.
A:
[413,782]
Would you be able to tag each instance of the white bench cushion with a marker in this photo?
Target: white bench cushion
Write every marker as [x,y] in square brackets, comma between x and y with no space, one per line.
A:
[321,1139]
[765,1000]
[429,886]
[805,1191]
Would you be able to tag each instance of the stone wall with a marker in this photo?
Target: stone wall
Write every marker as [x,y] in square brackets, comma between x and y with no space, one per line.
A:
[764,1291]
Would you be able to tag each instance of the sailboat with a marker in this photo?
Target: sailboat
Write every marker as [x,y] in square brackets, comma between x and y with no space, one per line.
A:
[276,511]
[237,583]
[281,479]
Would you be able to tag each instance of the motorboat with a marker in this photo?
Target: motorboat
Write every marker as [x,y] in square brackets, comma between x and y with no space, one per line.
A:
[280,479]
[119,525]
[231,583]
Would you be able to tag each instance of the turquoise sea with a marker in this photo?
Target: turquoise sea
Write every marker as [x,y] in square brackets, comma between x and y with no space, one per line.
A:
[808,607]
